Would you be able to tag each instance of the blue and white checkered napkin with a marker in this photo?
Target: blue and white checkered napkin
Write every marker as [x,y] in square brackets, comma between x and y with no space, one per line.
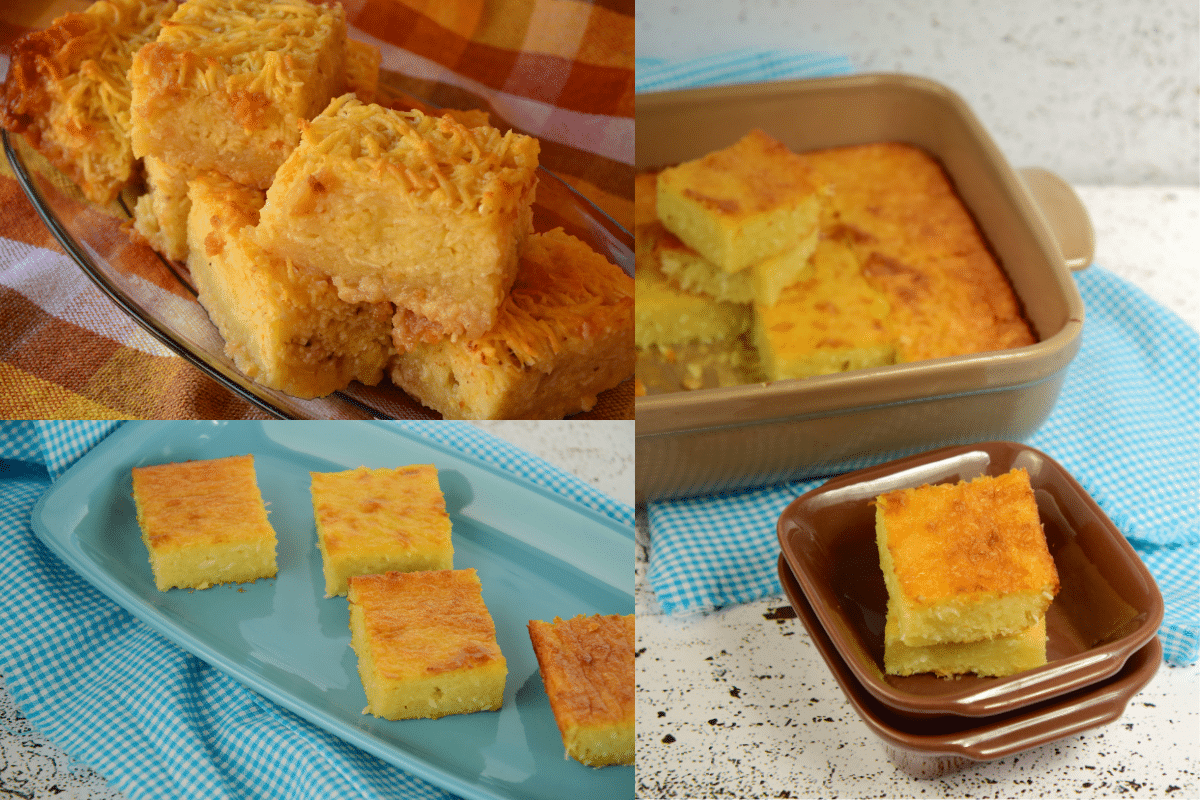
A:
[1126,426]
[743,66]
[79,666]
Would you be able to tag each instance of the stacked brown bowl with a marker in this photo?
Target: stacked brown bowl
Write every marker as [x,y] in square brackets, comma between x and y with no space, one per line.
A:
[1101,645]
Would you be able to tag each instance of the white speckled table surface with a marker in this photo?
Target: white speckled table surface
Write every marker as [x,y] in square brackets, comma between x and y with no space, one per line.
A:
[738,704]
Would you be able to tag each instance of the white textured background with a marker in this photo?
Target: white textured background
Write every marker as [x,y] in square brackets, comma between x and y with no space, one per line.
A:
[1101,92]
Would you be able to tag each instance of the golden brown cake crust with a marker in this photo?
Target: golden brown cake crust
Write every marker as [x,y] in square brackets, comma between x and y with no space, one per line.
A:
[425,623]
[67,91]
[196,502]
[587,666]
[971,538]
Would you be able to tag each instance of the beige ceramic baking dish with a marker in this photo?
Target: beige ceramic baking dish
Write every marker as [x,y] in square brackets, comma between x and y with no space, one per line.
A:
[711,440]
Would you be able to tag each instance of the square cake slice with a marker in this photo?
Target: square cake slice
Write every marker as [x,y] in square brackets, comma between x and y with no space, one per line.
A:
[832,321]
[419,210]
[586,664]
[67,91]
[994,658]
[380,520]
[284,326]
[966,561]
[741,205]
[204,522]
[226,82]
[426,644]
[564,334]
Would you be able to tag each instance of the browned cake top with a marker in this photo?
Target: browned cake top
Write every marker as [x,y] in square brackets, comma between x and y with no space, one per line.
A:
[969,538]
[191,503]
[587,667]
[425,623]
[755,174]
[363,510]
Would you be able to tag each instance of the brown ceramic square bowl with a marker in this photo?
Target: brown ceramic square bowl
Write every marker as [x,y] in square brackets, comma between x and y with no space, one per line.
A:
[717,439]
[928,747]
[1107,608]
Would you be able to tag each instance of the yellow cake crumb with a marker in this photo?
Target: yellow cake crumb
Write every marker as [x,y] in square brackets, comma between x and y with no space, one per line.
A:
[426,644]
[204,522]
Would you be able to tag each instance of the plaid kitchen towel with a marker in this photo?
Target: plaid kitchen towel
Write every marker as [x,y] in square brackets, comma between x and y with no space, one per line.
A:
[78,665]
[560,71]
[743,66]
[1126,426]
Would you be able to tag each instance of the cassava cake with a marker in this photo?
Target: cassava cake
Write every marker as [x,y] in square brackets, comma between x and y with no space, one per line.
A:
[832,321]
[421,211]
[380,520]
[994,658]
[895,208]
[586,664]
[966,561]
[426,644]
[920,281]
[761,283]
[741,205]
[67,91]
[563,334]
[161,214]
[284,326]
[226,82]
[204,523]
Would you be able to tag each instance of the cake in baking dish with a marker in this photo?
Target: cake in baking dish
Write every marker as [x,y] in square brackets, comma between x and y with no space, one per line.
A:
[426,644]
[586,664]
[563,335]
[761,283]
[966,561]
[204,522]
[900,273]
[226,83]
[67,91]
[741,205]
[418,210]
[380,520]
[284,326]
[988,658]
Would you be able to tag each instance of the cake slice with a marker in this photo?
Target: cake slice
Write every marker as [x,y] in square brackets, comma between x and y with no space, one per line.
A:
[563,335]
[668,315]
[204,522]
[741,205]
[996,658]
[421,211]
[761,283]
[284,326]
[426,644]
[380,520]
[832,321]
[586,664]
[226,82]
[966,561]
[67,91]
[160,217]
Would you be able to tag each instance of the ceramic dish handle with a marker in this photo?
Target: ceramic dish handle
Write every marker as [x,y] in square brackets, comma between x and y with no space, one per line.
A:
[1065,213]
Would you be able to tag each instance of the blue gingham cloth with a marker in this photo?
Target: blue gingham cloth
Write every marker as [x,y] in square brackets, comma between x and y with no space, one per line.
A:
[78,665]
[1126,425]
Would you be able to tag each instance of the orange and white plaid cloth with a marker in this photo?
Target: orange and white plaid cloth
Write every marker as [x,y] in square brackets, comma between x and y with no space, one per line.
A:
[560,70]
